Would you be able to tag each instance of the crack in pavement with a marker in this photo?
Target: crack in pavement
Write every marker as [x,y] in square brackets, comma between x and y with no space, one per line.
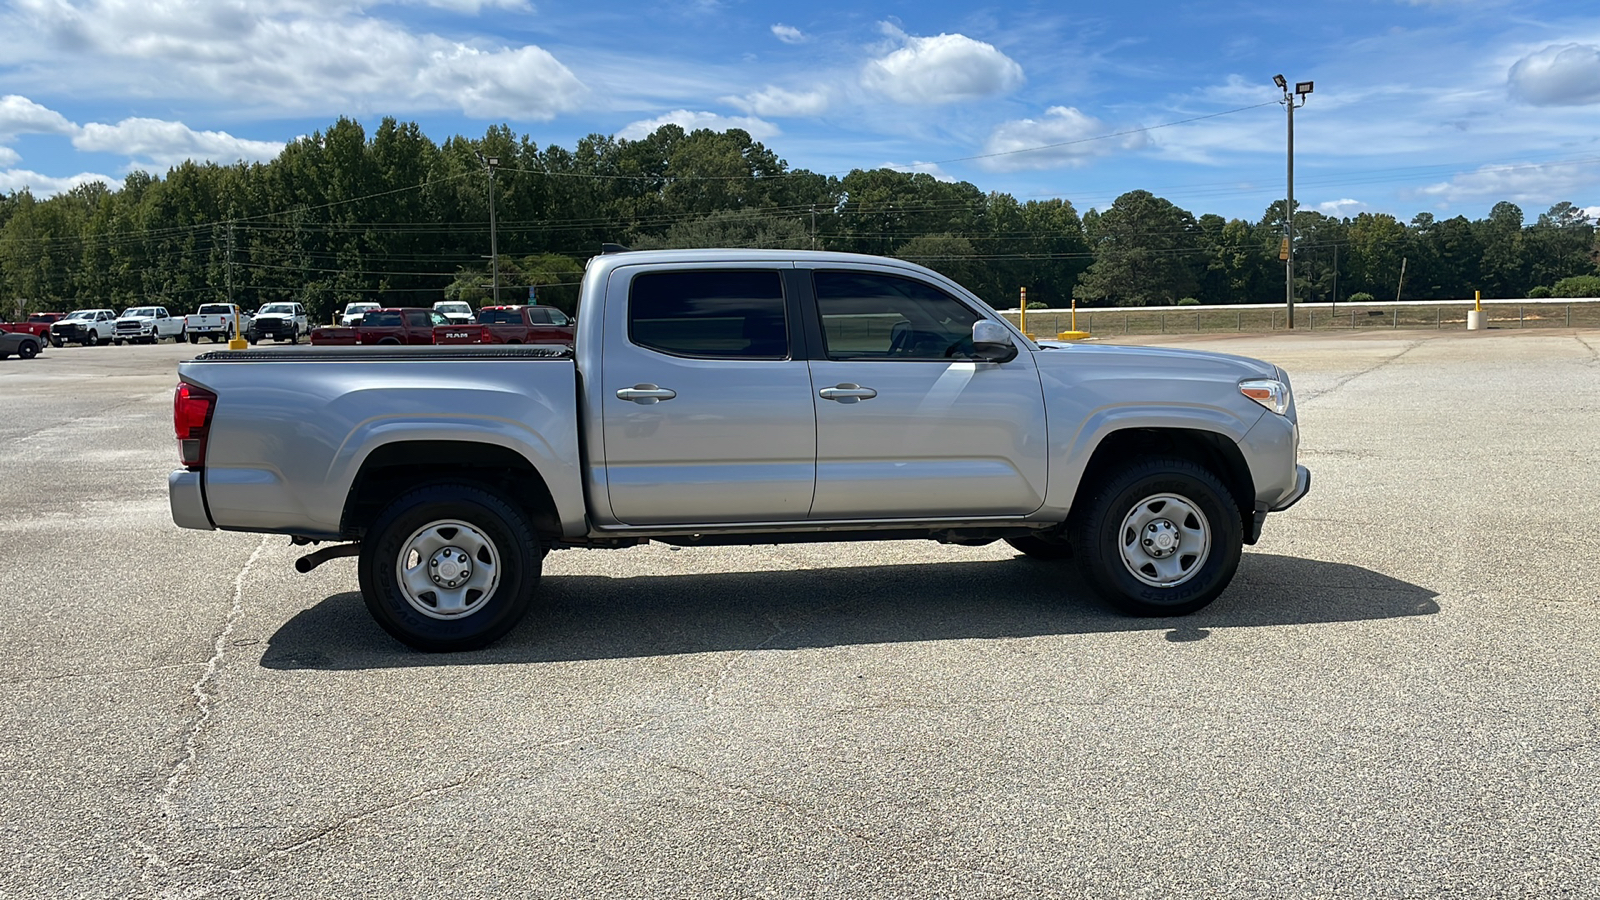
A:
[1317,395]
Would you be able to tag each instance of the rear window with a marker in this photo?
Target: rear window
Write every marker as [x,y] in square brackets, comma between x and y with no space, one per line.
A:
[710,314]
[499,317]
[387,319]
[215,309]
[547,315]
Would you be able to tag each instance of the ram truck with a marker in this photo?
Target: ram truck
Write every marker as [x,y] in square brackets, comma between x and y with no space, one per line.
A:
[38,325]
[399,325]
[147,323]
[738,397]
[89,327]
[510,325]
[216,322]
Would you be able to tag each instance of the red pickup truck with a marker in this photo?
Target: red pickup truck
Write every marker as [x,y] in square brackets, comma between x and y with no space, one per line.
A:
[393,325]
[37,325]
[511,325]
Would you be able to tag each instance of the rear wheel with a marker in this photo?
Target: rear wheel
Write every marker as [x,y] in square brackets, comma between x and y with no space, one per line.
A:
[194,338]
[449,566]
[1160,537]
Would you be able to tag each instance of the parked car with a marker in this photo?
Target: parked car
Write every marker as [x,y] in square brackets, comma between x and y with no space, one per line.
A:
[511,325]
[88,327]
[215,321]
[354,311]
[147,323]
[24,344]
[280,322]
[400,325]
[37,325]
[740,397]
[457,311]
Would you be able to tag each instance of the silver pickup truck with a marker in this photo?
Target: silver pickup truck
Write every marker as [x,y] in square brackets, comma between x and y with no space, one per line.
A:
[738,397]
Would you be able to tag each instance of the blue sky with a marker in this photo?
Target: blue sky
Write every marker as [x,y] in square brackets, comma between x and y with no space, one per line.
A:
[1446,106]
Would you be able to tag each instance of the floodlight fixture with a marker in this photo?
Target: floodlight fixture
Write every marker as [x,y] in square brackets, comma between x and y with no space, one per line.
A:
[495,160]
[1278,80]
[1302,88]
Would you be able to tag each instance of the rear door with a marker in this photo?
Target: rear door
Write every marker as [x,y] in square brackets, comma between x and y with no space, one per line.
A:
[705,402]
[907,425]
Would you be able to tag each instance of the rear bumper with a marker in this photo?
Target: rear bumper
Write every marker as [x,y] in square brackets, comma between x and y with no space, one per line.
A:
[188,500]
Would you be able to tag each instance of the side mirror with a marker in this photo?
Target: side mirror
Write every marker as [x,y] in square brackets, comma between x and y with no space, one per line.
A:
[991,342]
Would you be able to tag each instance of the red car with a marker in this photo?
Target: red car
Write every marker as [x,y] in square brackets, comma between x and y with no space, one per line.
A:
[511,325]
[37,325]
[392,325]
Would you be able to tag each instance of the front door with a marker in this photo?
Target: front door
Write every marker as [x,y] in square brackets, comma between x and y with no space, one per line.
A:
[907,424]
[707,412]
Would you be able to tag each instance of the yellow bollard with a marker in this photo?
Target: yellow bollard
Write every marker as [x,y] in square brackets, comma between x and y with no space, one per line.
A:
[1074,334]
[1022,314]
[237,342]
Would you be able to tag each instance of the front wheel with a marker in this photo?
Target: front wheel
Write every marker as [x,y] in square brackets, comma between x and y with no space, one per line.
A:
[294,336]
[91,339]
[449,566]
[1159,537]
[28,349]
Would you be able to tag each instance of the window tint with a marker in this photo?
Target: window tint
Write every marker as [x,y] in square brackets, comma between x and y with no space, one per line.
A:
[381,319]
[418,318]
[735,315]
[547,315]
[866,315]
[499,317]
[215,309]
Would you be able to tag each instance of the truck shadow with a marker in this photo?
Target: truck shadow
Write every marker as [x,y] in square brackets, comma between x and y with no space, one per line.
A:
[594,617]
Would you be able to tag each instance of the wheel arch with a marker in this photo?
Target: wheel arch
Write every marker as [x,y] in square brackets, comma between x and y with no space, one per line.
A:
[393,468]
[1217,452]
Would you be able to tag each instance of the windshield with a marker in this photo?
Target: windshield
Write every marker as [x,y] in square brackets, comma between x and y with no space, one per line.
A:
[81,314]
[215,309]
[283,308]
[359,307]
[453,308]
[143,311]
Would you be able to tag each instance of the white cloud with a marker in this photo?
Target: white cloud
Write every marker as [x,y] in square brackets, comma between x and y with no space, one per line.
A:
[1065,134]
[1558,75]
[947,68]
[9,157]
[1534,185]
[19,115]
[691,121]
[1339,208]
[46,185]
[927,168]
[170,143]
[775,101]
[788,34]
[283,55]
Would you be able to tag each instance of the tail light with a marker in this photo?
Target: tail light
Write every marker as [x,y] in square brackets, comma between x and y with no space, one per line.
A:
[192,406]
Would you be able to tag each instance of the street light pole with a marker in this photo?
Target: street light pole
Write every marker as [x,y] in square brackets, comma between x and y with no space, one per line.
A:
[1301,88]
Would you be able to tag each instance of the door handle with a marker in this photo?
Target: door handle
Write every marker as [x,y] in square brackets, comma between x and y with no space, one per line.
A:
[645,394]
[847,393]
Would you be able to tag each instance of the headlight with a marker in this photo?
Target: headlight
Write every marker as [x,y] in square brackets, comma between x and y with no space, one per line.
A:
[1268,392]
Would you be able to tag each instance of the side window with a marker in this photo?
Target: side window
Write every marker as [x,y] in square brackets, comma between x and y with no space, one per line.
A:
[870,316]
[417,318]
[710,314]
[437,318]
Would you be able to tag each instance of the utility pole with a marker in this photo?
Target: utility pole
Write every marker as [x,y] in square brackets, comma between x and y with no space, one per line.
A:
[230,261]
[491,163]
[1402,283]
[1336,274]
[1301,88]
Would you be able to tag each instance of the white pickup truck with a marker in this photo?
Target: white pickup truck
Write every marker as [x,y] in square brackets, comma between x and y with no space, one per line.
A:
[738,397]
[215,322]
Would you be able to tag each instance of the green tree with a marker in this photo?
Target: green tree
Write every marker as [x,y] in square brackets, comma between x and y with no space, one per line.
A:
[1145,253]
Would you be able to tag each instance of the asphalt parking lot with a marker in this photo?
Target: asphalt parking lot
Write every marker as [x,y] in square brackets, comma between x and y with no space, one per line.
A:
[1399,696]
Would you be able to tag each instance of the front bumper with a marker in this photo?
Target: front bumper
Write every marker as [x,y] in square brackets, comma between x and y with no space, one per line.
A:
[188,500]
[1302,487]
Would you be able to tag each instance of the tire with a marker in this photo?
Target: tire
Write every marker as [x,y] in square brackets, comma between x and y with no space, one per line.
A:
[194,338]
[1043,547]
[55,341]
[214,337]
[1157,500]
[294,335]
[28,349]
[116,342]
[502,550]
[91,338]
